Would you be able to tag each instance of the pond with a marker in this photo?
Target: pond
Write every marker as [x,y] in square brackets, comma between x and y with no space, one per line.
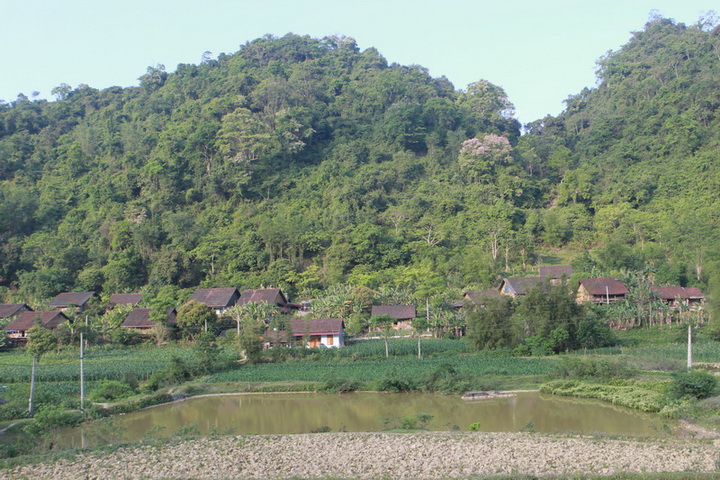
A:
[359,412]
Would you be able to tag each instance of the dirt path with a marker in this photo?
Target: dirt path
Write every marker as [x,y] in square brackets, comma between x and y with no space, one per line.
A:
[381,455]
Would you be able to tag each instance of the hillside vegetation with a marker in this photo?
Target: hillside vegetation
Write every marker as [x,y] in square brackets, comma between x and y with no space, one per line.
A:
[306,163]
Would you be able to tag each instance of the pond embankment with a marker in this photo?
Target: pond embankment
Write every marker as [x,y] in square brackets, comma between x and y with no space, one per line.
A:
[381,455]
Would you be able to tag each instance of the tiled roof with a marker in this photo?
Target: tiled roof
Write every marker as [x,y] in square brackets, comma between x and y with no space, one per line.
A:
[478,297]
[125,298]
[140,318]
[316,326]
[26,320]
[11,309]
[216,297]
[556,271]
[259,295]
[604,286]
[401,312]
[71,298]
[683,293]
[521,285]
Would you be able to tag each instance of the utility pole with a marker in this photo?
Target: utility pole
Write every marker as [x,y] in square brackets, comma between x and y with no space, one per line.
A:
[31,406]
[82,374]
[689,358]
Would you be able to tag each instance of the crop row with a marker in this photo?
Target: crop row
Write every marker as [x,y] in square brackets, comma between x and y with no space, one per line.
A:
[16,367]
[372,370]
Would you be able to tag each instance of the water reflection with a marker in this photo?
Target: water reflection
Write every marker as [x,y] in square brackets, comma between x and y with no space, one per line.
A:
[303,413]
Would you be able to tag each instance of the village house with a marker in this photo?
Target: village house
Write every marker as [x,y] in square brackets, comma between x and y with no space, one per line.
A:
[676,296]
[556,273]
[271,296]
[601,290]
[12,310]
[314,333]
[139,319]
[71,302]
[403,314]
[219,299]
[131,299]
[17,330]
[476,298]
[515,287]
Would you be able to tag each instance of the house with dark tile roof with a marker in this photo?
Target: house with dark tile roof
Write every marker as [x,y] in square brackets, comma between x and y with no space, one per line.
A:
[519,286]
[12,310]
[139,319]
[403,314]
[219,299]
[555,273]
[17,330]
[131,299]
[675,296]
[77,301]
[601,290]
[271,296]
[313,332]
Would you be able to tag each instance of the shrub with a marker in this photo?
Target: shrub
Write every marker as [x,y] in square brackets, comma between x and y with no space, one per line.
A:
[692,383]
[51,417]
[126,336]
[110,390]
[335,385]
[592,368]
[393,383]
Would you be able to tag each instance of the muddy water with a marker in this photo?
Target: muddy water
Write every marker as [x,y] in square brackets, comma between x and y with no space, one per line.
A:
[358,412]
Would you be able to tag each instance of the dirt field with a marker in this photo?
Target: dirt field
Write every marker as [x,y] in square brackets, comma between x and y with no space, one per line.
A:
[381,455]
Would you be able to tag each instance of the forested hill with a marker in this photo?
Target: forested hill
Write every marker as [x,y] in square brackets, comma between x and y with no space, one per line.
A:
[306,163]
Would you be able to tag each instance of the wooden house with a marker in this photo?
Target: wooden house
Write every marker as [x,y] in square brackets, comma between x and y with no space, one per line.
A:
[516,287]
[476,298]
[601,290]
[271,296]
[314,333]
[71,302]
[12,310]
[132,299]
[219,299]
[556,273]
[403,314]
[139,319]
[17,330]
[676,296]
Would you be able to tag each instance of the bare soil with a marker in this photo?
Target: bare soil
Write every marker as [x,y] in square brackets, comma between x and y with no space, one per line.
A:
[381,455]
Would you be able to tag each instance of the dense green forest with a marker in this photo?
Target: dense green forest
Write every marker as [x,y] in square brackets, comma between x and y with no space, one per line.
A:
[306,163]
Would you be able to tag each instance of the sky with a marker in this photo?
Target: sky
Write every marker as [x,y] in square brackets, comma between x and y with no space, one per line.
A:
[540,52]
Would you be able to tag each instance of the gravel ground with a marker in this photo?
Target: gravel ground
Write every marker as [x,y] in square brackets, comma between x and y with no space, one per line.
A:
[381,455]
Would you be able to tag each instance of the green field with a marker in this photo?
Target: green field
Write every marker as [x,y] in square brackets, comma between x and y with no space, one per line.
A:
[373,370]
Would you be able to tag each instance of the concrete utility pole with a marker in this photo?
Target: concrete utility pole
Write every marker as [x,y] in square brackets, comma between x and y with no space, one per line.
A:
[82,374]
[689,362]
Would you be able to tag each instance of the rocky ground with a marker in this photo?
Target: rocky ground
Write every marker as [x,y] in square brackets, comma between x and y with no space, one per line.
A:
[381,455]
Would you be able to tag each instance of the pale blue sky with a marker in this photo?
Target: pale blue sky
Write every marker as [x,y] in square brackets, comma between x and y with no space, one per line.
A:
[540,52]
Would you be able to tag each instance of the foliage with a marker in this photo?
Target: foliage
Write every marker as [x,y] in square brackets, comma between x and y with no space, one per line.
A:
[109,391]
[491,326]
[628,395]
[597,368]
[195,317]
[52,417]
[692,383]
